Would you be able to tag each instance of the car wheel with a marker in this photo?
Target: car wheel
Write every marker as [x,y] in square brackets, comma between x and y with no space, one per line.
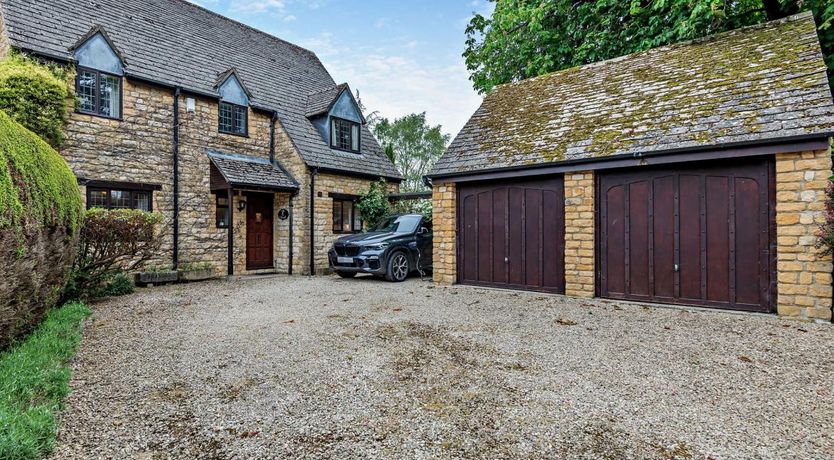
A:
[397,267]
[346,274]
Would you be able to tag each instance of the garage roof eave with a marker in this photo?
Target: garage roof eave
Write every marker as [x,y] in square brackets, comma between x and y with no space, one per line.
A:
[816,141]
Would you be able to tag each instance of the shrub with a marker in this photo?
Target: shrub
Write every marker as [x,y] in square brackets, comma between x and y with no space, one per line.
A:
[374,205]
[35,95]
[419,206]
[33,384]
[112,241]
[825,234]
[119,284]
[40,214]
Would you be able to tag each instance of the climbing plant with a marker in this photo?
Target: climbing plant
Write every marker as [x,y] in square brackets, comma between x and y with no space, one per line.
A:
[374,205]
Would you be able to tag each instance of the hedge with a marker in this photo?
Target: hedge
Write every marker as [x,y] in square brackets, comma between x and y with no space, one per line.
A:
[36,96]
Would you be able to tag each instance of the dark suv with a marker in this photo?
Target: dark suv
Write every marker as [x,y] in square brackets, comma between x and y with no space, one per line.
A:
[397,246]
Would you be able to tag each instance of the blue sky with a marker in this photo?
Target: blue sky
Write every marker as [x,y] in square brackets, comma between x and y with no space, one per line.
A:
[402,56]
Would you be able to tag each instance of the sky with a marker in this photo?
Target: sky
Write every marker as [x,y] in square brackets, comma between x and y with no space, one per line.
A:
[403,56]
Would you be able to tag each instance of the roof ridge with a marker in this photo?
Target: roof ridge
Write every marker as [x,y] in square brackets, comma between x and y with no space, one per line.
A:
[242,25]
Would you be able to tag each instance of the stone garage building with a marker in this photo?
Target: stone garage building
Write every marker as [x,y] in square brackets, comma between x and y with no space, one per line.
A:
[690,174]
[241,140]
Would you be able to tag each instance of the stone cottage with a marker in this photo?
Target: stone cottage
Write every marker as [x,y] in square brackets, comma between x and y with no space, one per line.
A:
[243,141]
[689,174]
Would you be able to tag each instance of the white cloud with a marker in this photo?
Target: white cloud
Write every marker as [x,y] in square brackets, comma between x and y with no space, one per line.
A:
[289,18]
[397,85]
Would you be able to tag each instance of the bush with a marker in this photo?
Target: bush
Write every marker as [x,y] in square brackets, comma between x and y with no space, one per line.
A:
[373,206]
[419,206]
[33,384]
[825,234]
[35,96]
[112,242]
[119,284]
[40,214]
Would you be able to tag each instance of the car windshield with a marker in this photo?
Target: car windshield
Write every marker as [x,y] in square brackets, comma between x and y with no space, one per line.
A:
[398,224]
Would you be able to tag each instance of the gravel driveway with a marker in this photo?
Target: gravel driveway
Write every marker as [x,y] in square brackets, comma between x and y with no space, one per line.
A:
[328,368]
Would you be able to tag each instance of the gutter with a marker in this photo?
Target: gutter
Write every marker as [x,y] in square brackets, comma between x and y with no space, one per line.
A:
[272,137]
[290,246]
[176,153]
[313,172]
[733,149]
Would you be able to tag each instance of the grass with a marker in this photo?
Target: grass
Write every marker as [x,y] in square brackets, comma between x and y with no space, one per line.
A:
[34,380]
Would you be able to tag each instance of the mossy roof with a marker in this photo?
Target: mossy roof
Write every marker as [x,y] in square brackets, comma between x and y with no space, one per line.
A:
[760,83]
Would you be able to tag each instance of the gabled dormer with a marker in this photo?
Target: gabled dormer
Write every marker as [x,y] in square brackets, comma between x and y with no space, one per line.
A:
[233,110]
[337,117]
[99,74]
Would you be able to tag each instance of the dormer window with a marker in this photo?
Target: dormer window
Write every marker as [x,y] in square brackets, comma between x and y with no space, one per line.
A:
[344,134]
[233,110]
[99,74]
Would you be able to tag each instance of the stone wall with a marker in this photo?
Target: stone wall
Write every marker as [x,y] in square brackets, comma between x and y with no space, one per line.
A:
[444,213]
[803,273]
[579,234]
[134,149]
[139,147]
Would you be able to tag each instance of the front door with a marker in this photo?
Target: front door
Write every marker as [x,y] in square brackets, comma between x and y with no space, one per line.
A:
[258,231]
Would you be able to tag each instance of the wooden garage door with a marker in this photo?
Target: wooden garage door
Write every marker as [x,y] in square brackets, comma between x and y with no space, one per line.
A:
[512,234]
[696,235]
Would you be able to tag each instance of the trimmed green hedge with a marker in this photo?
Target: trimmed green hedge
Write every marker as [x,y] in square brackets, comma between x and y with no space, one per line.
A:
[34,380]
[35,181]
[36,96]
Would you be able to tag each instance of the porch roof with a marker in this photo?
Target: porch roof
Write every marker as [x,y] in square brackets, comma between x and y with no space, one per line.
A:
[243,171]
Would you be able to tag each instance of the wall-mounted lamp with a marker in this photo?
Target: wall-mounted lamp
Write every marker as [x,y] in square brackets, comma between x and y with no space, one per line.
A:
[241,205]
[190,105]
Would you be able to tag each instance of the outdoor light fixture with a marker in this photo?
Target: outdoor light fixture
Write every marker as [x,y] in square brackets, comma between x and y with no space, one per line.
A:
[241,205]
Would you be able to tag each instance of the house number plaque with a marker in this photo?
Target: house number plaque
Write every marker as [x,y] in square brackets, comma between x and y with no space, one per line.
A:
[283,214]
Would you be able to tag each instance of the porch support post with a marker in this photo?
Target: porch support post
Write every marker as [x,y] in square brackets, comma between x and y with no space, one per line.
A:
[231,232]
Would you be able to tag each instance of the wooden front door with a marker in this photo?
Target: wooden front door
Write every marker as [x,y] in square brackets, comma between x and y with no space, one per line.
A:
[697,234]
[258,231]
[512,234]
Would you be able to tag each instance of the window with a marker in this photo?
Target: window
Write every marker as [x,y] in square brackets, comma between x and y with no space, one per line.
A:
[99,93]
[221,214]
[346,218]
[344,135]
[233,119]
[119,199]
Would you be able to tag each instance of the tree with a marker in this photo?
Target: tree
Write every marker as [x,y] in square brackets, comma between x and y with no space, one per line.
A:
[527,38]
[412,145]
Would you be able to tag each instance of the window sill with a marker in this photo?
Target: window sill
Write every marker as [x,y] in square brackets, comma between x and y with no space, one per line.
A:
[246,135]
[355,152]
[342,232]
[98,115]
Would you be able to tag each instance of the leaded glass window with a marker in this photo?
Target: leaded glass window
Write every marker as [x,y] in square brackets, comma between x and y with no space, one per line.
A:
[118,199]
[344,135]
[232,119]
[99,93]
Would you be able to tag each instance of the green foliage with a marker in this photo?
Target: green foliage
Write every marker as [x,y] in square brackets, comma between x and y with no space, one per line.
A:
[33,384]
[112,242]
[412,145]
[35,95]
[373,205]
[419,206]
[35,181]
[119,284]
[825,233]
[527,38]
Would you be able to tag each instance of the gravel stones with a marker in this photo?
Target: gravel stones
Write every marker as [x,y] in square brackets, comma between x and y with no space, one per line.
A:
[316,368]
